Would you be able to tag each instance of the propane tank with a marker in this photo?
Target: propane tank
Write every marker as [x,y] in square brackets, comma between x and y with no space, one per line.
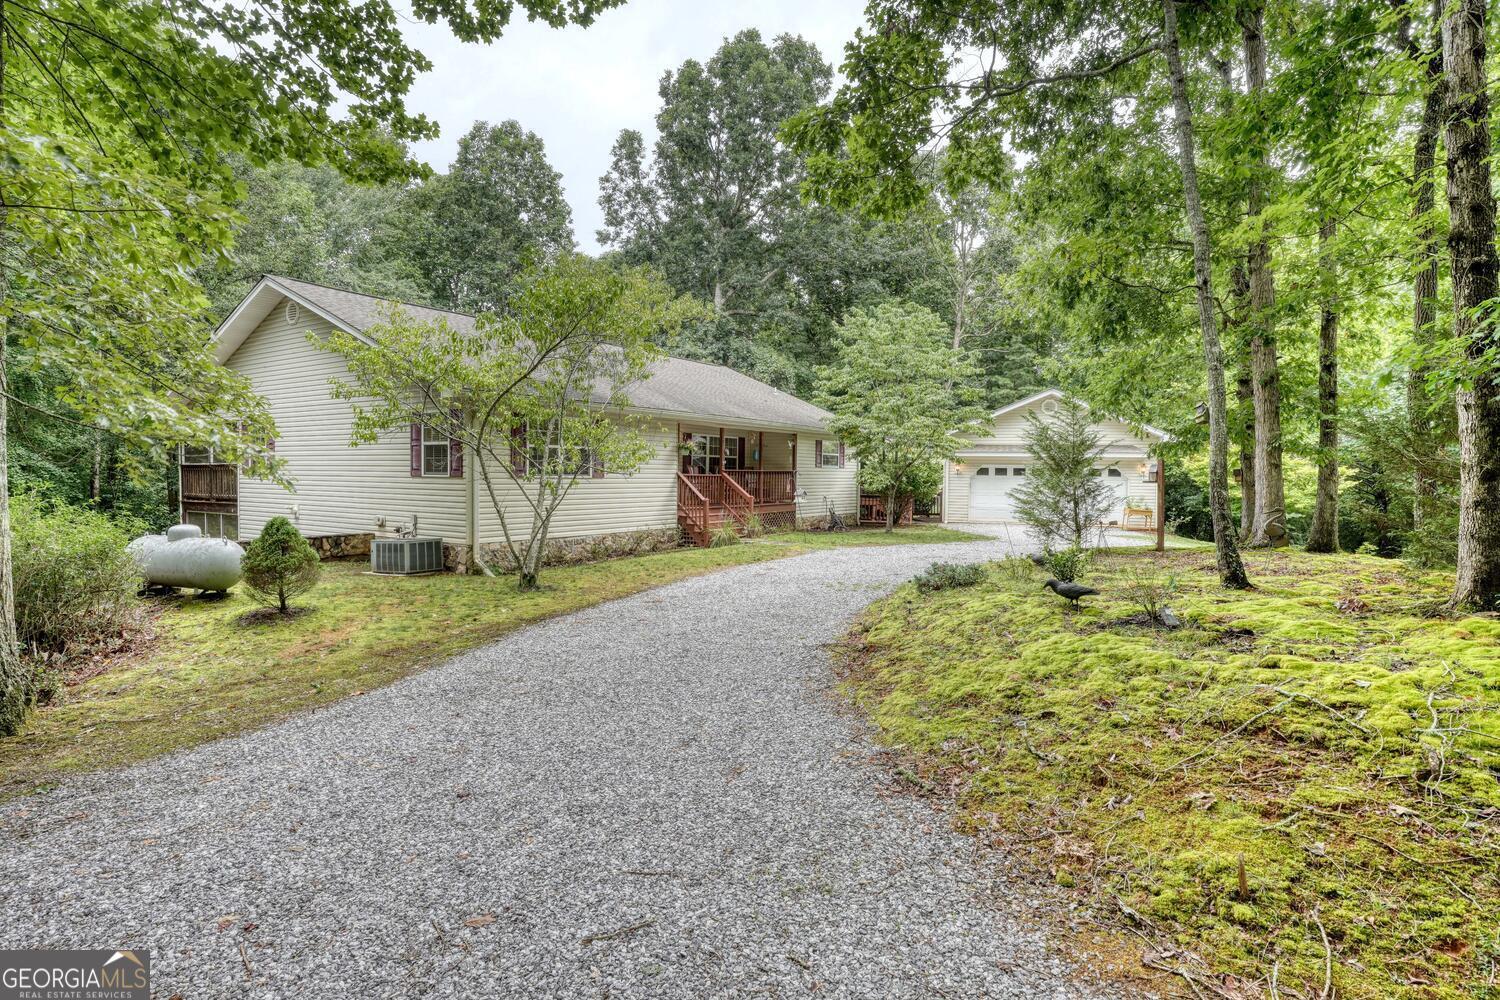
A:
[184,558]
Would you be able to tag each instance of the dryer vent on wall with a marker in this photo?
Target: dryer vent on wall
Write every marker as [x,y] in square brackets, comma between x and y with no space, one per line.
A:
[404,556]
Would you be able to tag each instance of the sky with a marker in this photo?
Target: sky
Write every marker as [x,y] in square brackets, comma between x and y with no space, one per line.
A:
[578,87]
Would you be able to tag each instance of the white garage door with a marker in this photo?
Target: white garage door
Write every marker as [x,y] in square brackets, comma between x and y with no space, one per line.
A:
[991,494]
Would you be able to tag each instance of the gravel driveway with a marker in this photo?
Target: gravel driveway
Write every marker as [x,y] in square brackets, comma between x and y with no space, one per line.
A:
[653,798]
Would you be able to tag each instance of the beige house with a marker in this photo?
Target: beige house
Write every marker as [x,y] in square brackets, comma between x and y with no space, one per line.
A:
[725,445]
[980,483]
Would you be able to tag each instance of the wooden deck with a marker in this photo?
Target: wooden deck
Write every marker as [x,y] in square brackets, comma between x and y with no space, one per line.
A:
[708,501]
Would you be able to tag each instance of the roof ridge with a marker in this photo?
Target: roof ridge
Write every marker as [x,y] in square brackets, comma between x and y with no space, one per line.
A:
[365,295]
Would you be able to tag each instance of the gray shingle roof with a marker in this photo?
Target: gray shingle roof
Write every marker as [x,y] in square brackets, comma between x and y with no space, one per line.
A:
[675,385]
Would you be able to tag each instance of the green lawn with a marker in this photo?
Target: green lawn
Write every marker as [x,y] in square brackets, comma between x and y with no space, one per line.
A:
[208,675]
[1327,734]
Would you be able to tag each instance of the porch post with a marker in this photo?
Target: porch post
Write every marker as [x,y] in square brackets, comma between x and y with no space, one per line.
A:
[1161,505]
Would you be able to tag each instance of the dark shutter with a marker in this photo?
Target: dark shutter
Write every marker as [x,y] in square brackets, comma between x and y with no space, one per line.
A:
[455,448]
[596,464]
[416,449]
[271,447]
[841,454]
[518,450]
[741,459]
[818,453]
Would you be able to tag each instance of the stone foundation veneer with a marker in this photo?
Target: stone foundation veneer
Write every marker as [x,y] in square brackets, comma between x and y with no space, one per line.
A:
[570,551]
[352,546]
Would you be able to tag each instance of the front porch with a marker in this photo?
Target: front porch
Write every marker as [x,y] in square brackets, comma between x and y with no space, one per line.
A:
[706,501]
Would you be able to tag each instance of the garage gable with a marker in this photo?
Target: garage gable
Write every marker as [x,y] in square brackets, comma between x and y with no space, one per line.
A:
[1006,435]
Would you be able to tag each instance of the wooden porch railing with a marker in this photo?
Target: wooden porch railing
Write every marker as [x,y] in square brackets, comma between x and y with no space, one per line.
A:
[766,487]
[872,510]
[693,508]
[738,501]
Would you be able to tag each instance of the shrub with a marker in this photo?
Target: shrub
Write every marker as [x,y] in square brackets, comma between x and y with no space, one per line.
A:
[1067,564]
[754,526]
[1148,589]
[946,576]
[723,535]
[1016,569]
[74,582]
[279,565]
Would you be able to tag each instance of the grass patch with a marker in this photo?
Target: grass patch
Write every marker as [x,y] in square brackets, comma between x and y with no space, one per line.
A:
[217,668]
[1321,734]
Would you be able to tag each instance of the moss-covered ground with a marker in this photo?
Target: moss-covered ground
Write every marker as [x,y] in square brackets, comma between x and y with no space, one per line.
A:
[210,671]
[1299,789]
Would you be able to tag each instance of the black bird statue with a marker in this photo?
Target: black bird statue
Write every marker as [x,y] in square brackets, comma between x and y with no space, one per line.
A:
[1072,591]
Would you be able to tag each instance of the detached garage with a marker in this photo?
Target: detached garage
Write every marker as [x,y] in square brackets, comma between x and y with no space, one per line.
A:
[981,482]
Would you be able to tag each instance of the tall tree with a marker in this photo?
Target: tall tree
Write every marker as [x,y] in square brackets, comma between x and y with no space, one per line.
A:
[1323,532]
[719,196]
[117,122]
[1420,403]
[499,209]
[1231,568]
[313,224]
[1476,282]
[1269,524]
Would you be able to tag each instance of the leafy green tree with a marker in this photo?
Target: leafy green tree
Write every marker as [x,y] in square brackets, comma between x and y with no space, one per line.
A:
[1063,499]
[532,392]
[1476,285]
[117,122]
[498,210]
[312,224]
[279,565]
[901,93]
[899,393]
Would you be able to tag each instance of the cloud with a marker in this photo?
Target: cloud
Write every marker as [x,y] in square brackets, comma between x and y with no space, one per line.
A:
[578,87]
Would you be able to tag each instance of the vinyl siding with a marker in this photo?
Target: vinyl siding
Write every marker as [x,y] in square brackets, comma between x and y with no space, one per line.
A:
[338,488]
[840,486]
[640,501]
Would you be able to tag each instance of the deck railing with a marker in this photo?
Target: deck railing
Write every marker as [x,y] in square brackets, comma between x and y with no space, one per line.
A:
[693,507]
[766,487]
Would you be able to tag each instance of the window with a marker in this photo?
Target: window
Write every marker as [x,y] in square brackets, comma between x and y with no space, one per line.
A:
[703,455]
[213,524]
[197,456]
[436,451]
[984,470]
[1113,473]
[1018,472]
[732,453]
[1000,470]
[830,455]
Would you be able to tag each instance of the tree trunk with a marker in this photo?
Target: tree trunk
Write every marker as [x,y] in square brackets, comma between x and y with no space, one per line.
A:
[1471,243]
[1245,395]
[1239,292]
[95,473]
[1323,534]
[1269,525]
[1424,291]
[890,508]
[1231,567]
[15,678]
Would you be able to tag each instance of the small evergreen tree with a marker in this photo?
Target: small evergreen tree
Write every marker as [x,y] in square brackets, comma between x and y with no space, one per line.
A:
[1063,499]
[279,565]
